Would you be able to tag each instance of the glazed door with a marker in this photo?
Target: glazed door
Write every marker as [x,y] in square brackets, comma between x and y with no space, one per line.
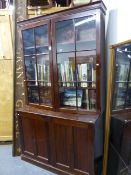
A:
[38,64]
[76,63]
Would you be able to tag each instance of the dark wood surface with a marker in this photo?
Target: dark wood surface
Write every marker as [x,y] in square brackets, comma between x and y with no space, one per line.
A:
[120,144]
[96,8]
[92,117]
[65,144]
[59,139]
[123,116]
[121,134]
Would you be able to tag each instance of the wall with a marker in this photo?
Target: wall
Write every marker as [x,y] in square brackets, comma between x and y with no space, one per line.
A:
[118,25]
[6,76]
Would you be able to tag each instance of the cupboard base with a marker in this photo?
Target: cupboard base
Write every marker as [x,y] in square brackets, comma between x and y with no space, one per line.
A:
[45,166]
[55,170]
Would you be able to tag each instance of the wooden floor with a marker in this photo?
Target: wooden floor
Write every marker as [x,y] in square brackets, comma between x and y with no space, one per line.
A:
[15,166]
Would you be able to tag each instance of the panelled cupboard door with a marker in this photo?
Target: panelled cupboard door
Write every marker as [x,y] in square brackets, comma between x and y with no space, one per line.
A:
[72,146]
[42,139]
[28,135]
[35,137]
[83,149]
[62,137]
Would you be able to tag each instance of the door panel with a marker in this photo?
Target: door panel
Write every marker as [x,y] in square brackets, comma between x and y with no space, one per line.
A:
[63,142]
[28,135]
[42,137]
[81,148]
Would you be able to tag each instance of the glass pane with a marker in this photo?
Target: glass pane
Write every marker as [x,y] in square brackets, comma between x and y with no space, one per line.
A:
[88,99]
[122,64]
[33,96]
[67,79]
[66,69]
[128,98]
[86,79]
[65,36]
[86,69]
[41,39]
[30,68]
[28,41]
[130,73]
[43,70]
[45,95]
[119,95]
[85,33]
[68,97]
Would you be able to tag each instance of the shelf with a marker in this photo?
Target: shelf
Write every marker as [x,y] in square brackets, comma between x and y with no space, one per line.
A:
[37,54]
[122,82]
[64,43]
[76,82]
[77,42]
[38,46]
[31,47]
[78,87]
[78,46]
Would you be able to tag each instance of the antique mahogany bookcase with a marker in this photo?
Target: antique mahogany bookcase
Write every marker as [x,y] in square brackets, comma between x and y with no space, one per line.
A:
[61,125]
[120,131]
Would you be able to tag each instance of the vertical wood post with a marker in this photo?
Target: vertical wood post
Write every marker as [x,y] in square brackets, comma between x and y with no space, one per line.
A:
[20,14]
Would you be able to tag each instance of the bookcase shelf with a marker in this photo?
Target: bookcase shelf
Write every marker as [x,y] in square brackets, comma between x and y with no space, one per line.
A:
[63,63]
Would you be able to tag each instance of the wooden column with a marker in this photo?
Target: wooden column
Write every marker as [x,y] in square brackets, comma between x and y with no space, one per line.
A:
[20,14]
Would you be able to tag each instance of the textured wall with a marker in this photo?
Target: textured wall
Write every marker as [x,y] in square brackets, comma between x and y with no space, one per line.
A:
[6,76]
[6,100]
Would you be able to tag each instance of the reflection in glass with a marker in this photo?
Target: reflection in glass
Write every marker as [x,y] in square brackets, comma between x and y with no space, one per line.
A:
[41,35]
[119,95]
[65,36]
[30,68]
[85,33]
[28,41]
[42,50]
[33,96]
[122,66]
[41,39]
